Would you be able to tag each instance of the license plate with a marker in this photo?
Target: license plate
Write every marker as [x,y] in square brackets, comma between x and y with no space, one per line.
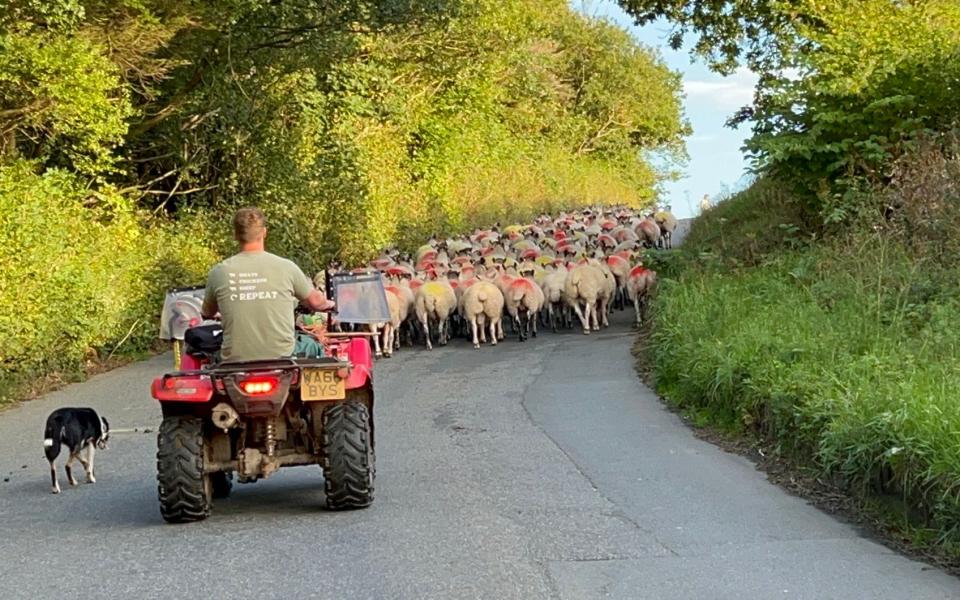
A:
[322,384]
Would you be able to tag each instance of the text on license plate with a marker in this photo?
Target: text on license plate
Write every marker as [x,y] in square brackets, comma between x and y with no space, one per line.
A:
[322,384]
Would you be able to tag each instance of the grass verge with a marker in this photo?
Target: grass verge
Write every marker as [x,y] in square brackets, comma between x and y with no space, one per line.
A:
[839,358]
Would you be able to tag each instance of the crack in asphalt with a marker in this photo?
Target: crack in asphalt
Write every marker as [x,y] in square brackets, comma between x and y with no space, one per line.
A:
[580,470]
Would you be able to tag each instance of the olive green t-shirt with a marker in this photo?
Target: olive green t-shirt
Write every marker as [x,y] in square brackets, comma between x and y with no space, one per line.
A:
[257,293]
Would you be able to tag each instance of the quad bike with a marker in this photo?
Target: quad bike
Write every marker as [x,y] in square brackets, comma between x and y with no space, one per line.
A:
[251,418]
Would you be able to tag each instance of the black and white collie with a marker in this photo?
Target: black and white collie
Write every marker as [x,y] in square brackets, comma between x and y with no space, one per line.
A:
[81,430]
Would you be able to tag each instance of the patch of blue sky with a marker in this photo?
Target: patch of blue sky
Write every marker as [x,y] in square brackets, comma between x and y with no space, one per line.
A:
[717,165]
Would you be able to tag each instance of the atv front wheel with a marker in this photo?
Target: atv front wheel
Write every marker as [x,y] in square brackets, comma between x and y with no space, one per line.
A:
[185,492]
[348,467]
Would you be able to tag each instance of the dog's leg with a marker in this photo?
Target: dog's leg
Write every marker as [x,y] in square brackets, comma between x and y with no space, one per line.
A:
[89,466]
[53,478]
[87,461]
[67,467]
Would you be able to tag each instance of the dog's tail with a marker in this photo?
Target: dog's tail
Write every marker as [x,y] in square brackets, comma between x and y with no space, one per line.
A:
[52,435]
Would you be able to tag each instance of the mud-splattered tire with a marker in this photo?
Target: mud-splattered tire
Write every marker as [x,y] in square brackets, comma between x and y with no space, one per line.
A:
[185,492]
[348,464]
[222,484]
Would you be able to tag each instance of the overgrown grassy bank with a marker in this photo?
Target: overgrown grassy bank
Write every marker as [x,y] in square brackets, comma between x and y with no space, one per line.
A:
[841,353]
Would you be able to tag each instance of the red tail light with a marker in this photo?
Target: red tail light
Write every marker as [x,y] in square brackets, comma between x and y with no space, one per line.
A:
[186,388]
[259,386]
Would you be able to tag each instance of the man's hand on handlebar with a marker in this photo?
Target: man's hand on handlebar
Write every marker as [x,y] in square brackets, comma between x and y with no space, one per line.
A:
[318,302]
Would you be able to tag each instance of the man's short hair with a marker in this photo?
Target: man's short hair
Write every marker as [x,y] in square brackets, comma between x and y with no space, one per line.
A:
[248,224]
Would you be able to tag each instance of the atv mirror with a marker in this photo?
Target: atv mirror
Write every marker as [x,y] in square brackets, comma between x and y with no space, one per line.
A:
[181,311]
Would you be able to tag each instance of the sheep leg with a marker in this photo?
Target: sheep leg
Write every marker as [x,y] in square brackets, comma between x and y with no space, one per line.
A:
[604,320]
[375,339]
[535,319]
[482,327]
[594,315]
[412,332]
[443,328]
[425,320]
[583,320]
[636,308]
[375,330]
[473,326]
[494,325]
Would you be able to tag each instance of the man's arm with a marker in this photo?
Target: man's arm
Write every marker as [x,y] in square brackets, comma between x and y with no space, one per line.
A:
[210,307]
[308,295]
[317,301]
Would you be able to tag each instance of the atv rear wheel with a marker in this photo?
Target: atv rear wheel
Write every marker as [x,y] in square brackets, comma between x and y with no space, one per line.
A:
[348,465]
[185,492]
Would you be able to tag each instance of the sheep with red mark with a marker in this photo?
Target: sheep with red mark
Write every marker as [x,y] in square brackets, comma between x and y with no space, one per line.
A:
[523,300]
[639,287]
[389,329]
[620,267]
[648,232]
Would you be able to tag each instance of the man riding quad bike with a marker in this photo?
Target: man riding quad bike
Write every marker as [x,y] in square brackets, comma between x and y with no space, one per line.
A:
[251,395]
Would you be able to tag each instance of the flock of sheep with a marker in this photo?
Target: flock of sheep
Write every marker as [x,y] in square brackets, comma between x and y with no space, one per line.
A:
[581,264]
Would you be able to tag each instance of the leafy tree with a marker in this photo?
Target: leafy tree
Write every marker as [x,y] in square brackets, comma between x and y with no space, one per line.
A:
[846,86]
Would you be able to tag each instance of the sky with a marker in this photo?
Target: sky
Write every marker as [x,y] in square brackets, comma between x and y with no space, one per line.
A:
[716,161]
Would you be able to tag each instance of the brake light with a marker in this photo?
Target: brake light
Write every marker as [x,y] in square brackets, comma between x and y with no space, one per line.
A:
[257,386]
[186,388]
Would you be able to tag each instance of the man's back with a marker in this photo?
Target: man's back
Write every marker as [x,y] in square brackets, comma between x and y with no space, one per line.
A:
[257,293]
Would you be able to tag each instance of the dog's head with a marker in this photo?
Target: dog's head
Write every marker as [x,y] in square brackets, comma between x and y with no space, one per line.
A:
[104,434]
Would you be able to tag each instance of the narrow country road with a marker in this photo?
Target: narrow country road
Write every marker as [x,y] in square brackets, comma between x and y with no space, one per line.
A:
[536,470]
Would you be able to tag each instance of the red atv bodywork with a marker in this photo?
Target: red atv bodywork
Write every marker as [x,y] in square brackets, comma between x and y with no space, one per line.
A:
[191,385]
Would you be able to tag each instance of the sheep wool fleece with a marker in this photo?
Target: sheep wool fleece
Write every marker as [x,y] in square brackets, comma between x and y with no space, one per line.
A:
[257,293]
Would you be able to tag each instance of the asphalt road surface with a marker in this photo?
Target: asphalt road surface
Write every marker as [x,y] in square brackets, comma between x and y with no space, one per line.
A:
[535,470]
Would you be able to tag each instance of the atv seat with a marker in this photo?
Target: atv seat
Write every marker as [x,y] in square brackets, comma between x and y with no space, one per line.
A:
[204,341]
